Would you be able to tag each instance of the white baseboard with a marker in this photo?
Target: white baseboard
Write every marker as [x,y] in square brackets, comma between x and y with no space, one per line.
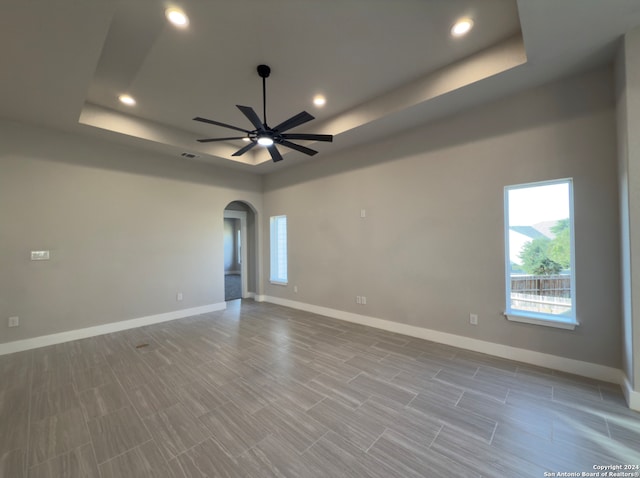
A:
[577,367]
[44,340]
[632,397]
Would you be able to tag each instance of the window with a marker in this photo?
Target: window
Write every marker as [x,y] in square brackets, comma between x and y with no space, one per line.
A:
[539,253]
[279,249]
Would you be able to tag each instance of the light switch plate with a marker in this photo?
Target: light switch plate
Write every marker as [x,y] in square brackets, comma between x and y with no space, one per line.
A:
[40,255]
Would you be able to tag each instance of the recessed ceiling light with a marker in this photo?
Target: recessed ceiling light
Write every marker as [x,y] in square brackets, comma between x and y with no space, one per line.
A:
[246,139]
[461,27]
[177,17]
[319,100]
[127,100]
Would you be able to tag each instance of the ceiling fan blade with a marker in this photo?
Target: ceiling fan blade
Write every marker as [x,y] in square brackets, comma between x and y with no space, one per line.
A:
[297,147]
[310,137]
[294,121]
[218,123]
[275,154]
[252,116]
[241,151]
[209,140]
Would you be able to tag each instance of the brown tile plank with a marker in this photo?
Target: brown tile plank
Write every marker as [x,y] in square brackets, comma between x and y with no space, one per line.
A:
[175,430]
[57,434]
[144,461]
[116,433]
[360,429]
[414,460]
[208,459]
[78,463]
[295,427]
[235,430]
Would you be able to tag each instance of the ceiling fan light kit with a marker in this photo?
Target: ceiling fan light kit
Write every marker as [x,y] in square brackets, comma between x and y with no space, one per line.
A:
[263,134]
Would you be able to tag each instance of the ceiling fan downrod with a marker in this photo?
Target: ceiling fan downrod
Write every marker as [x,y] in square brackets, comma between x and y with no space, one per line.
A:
[264,71]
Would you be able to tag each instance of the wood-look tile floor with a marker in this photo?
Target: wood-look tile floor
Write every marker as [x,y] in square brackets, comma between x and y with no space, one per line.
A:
[260,390]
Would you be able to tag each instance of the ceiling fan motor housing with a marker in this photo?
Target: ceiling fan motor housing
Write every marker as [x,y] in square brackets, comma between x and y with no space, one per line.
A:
[264,71]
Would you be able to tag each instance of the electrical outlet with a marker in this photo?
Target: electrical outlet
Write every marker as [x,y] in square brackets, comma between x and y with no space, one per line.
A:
[295,289]
[358,299]
[364,300]
[179,296]
[473,319]
[14,321]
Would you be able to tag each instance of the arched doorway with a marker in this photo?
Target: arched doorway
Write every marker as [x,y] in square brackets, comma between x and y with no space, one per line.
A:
[239,250]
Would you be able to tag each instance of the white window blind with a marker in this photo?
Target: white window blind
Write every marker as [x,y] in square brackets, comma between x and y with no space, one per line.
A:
[279,249]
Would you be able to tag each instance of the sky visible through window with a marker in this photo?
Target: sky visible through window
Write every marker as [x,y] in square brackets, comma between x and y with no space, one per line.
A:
[532,205]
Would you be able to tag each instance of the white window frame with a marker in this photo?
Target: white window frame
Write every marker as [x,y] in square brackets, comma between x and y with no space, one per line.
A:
[517,315]
[279,250]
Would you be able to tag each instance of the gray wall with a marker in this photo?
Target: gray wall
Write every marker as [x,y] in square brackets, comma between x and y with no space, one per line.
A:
[431,249]
[628,117]
[127,230]
[231,228]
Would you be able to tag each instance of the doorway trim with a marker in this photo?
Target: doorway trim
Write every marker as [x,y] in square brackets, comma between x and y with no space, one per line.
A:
[242,215]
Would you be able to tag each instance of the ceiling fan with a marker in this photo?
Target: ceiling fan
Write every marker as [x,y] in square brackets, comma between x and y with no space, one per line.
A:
[263,134]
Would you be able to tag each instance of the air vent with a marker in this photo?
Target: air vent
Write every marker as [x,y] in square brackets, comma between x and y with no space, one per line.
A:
[189,155]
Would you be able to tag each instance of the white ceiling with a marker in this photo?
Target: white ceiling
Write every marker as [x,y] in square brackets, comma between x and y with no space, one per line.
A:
[383,65]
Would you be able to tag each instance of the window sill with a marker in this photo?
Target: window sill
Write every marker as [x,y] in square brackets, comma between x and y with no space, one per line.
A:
[278,282]
[559,323]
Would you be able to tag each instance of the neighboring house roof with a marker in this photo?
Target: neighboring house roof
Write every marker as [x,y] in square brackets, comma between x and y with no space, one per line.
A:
[540,229]
[545,228]
[529,231]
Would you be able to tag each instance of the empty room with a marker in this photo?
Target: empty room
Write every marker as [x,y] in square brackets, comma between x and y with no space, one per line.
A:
[301,238]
